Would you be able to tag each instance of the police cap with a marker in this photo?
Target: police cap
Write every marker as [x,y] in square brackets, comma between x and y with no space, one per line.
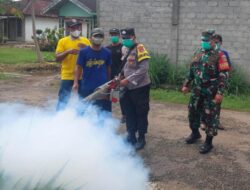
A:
[97,31]
[114,31]
[72,23]
[127,32]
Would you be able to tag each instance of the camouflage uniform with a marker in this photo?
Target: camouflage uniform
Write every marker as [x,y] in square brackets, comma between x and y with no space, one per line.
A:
[209,73]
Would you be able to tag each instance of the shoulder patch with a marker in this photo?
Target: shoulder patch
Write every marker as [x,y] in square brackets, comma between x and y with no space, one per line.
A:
[142,53]
[223,63]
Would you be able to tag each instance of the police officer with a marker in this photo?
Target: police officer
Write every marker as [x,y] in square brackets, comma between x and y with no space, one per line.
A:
[117,64]
[137,81]
[209,73]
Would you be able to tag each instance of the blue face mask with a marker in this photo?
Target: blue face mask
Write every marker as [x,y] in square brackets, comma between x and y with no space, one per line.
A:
[205,45]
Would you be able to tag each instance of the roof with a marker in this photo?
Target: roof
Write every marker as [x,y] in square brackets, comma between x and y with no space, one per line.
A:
[87,5]
[38,6]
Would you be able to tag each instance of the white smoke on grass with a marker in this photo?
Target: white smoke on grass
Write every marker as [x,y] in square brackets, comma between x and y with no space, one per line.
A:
[39,147]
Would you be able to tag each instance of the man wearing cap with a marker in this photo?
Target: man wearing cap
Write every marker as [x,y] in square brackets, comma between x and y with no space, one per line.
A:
[117,64]
[95,61]
[66,53]
[137,81]
[209,73]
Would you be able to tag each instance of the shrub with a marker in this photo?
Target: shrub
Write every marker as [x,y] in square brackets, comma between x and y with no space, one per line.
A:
[48,38]
[238,82]
[163,73]
[158,69]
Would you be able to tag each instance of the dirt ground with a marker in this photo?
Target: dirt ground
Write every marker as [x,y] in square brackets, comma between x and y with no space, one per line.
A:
[173,164]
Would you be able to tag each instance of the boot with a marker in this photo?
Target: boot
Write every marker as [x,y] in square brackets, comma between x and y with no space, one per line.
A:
[207,146]
[193,137]
[131,138]
[141,142]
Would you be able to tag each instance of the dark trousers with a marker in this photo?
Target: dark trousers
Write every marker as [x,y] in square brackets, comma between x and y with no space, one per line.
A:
[103,104]
[122,105]
[64,94]
[136,104]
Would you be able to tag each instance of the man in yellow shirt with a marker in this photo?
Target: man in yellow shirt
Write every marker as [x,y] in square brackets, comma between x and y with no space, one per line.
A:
[66,53]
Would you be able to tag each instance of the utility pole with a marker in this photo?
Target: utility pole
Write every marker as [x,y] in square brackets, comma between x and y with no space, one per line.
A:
[175,31]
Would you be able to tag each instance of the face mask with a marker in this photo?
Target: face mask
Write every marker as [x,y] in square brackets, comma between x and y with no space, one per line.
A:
[75,33]
[205,45]
[217,46]
[97,41]
[114,39]
[128,43]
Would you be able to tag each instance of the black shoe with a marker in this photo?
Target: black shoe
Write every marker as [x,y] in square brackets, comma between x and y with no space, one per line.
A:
[140,144]
[131,139]
[123,119]
[205,148]
[193,137]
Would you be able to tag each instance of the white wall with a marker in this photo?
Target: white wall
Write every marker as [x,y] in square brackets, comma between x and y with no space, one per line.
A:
[41,23]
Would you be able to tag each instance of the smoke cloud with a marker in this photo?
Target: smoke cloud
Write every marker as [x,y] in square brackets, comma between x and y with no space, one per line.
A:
[41,148]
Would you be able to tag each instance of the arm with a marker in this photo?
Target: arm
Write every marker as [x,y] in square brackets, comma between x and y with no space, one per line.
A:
[189,78]
[61,56]
[78,71]
[223,68]
[135,77]
[109,72]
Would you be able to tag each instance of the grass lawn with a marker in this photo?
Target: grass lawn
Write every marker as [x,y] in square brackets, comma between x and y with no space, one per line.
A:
[239,103]
[4,77]
[9,55]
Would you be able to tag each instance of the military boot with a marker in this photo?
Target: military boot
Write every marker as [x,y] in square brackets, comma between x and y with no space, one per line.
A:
[141,142]
[131,138]
[193,137]
[207,146]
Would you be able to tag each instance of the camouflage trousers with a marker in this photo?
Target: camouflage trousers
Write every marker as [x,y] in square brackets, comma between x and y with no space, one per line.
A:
[202,106]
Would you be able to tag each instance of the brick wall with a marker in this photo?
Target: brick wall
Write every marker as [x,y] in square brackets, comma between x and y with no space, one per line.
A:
[152,20]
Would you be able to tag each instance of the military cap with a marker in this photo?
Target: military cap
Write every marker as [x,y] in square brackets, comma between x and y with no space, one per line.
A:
[127,32]
[114,31]
[207,35]
[97,31]
[73,22]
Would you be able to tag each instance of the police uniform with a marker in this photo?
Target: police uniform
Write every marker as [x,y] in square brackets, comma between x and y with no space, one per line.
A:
[136,98]
[209,74]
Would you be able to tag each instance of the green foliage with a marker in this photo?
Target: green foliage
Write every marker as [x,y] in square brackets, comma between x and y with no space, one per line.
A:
[163,73]
[48,38]
[4,77]
[10,7]
[10,55]
[158,69]
[238,82]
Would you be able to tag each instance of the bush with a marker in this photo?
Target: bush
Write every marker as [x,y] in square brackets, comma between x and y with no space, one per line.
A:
[48,38]
[165,74]
[158,69]
[238,82]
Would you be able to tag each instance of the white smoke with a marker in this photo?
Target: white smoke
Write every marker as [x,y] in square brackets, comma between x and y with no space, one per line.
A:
[40,147]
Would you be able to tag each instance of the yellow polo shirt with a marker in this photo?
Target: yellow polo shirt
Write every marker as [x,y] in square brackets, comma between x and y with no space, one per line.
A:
[69,62]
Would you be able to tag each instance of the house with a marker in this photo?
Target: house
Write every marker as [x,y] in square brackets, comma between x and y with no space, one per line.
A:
[82,10]
[49,14]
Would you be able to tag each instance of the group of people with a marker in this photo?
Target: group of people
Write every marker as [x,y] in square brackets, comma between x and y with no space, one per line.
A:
[209,72]
[87,64]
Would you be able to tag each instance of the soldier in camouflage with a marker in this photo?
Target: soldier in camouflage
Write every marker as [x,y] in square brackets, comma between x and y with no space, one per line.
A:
[209,73]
